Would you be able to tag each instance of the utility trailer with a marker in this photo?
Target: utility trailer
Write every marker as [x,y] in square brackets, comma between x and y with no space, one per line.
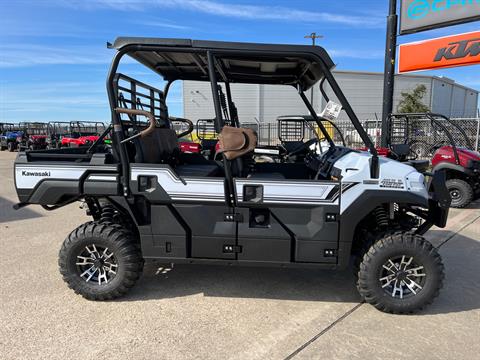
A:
[151,202]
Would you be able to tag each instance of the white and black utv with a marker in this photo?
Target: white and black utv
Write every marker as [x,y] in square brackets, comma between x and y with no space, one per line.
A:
[150,201]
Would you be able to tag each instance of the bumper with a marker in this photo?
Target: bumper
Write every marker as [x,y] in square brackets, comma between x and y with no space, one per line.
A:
[438,203]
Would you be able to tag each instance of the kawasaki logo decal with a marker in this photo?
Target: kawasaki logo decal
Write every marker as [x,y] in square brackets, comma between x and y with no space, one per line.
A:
[35,173]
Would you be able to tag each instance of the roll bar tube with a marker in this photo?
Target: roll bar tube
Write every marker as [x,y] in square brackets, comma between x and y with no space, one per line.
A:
[317,120]
[374,165]
[216,101]
[118,134]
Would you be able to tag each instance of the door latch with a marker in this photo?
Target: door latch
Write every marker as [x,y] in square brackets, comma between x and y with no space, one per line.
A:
[231,249]
[233,217]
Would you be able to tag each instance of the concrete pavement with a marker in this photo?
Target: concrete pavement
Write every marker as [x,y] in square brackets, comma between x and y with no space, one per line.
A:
[220,312]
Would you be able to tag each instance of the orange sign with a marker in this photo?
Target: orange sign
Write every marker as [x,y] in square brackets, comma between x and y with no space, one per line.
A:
[450,51]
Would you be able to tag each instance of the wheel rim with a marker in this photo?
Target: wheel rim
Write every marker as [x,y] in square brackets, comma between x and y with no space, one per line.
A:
[97,264]
[455,194]
[401,277]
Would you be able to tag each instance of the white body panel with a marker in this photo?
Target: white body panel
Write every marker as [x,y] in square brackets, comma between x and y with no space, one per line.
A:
[394,176]
[27,176]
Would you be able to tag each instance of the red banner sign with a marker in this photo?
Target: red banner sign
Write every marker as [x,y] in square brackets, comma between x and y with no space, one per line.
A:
[450,51]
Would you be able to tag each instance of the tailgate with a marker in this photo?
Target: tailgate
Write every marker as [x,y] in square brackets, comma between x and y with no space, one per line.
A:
[57,182]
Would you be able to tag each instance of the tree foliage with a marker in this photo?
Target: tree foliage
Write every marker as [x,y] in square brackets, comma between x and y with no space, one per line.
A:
[411,102]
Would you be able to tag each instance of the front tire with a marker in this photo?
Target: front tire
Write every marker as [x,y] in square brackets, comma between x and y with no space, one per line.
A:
[401,273]
[460,191]
[100,261]
[11,147]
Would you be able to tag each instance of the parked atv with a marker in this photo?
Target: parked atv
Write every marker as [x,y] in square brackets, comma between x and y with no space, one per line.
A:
[448,146]
[56,131]
[34,136]
[151,202]
[8,136]
[82,133]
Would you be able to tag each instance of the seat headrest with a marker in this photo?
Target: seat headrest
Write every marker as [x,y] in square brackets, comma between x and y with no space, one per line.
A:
[235,142]
[401,149]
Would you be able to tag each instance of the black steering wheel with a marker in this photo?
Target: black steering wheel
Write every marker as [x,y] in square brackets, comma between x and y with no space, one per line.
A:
[303,147]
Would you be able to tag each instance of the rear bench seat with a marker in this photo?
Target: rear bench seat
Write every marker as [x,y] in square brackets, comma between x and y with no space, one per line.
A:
[197,170]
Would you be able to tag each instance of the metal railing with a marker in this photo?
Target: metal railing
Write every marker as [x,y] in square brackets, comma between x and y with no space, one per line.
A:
[422,136]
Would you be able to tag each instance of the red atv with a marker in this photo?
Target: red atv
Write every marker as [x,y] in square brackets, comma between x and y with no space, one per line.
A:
[34,136]
[183,128]
[82,133]
[417,137]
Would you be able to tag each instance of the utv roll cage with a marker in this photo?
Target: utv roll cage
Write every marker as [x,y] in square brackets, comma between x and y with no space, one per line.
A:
[4,127]
[230,62]
[34,128]
[402,128]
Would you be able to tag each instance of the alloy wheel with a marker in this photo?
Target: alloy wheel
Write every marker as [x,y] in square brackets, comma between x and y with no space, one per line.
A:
[97,264]
[402,277]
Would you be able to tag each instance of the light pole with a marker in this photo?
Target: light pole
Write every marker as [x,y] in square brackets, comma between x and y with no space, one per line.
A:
[313,36]
[389,74]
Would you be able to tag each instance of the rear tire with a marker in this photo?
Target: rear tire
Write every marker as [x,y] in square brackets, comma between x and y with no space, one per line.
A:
[401,273]
[100,261]
[460,191]
[11,147]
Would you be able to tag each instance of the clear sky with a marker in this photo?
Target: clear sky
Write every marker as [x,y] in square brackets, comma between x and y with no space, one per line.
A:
[54,60]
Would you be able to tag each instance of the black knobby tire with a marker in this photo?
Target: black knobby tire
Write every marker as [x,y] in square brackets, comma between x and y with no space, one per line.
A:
[393,247]
[11,147]
[126,255]
[460,191]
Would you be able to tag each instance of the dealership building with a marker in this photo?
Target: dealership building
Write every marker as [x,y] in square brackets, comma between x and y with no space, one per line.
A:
[364,90]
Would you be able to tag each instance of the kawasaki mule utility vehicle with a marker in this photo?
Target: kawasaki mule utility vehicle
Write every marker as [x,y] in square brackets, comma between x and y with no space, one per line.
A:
[8,136]
[34,136]
[150,201]
[444,142]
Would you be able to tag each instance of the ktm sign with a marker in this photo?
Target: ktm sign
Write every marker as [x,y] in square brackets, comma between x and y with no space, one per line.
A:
[459,50]
[443,52]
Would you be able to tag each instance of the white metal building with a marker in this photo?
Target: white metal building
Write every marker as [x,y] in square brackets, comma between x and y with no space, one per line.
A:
[364,90]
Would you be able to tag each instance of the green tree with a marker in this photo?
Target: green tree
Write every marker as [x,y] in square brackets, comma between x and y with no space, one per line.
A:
[411,102]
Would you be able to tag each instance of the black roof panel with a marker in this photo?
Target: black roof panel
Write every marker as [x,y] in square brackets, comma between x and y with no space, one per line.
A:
[184,59]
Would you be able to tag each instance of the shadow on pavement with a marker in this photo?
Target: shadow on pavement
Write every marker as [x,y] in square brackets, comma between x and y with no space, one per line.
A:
[245,282]
[461,257]
[7,213]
